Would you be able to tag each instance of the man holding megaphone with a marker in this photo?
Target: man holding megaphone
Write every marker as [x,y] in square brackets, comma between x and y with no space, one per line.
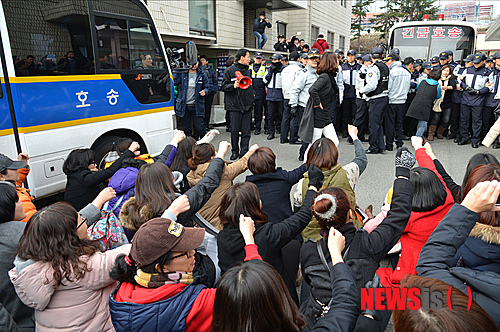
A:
[238,100]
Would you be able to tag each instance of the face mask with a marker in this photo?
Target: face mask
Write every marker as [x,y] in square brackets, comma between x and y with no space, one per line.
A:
[276,66]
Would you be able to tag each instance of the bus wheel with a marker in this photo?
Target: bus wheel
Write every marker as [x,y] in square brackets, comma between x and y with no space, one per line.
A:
[102,148]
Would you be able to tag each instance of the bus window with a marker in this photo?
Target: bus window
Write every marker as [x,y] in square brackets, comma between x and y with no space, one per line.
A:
[112,43]
[51,38]
[126,8]
[144,48]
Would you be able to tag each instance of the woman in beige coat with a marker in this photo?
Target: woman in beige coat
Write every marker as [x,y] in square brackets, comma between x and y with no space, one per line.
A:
[202,156]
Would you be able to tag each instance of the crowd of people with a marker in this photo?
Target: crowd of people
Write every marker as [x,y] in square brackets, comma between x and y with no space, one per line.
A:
[303,95]
[202,253]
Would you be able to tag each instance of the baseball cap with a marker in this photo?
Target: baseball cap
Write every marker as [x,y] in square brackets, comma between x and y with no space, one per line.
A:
[359,56]
[448,53]
[469,58]
[378,50]
[419,62]
[281,36]
[392,56]
[366,57]
[258,55]
[443,56]
[489,59]
[395,51]
[427,65]
[7,163]
[434,59]
[51,57]
[158,236]
[328,50]
[284,57]
[478,58]
[303,55]
[313,53]
[351,52]
[294,56]
[276,56]
[496,55]
[339,50]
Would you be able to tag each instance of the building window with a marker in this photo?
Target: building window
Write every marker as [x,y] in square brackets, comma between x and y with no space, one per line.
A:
[281,28]
[343,3]
[314,34]
[342,42]
[329,38]
[202,16]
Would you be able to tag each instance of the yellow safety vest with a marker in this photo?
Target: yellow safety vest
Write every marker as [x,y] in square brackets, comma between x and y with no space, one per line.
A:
[261,73]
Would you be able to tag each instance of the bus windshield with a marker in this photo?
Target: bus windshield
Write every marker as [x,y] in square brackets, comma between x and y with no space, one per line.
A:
[424,42]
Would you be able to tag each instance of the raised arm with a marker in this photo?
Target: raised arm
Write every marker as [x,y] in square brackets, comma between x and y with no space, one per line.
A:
[454,188]
[94,178]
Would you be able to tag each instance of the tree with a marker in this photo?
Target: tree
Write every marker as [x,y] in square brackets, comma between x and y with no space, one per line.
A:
[385,20]
[414,10]
[360,10]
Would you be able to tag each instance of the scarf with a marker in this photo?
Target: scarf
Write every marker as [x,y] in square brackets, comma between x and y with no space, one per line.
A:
[437,102]
[155,280]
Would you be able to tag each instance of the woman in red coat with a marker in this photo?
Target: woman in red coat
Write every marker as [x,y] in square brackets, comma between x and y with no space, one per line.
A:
[431,202]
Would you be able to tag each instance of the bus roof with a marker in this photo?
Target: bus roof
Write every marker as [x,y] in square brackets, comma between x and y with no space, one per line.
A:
[434,22]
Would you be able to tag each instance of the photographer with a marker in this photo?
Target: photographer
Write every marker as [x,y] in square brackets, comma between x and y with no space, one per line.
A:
[259,25]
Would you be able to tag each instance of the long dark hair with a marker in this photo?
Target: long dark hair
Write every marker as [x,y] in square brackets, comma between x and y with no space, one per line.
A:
[50,236]
[202,153]
[123,272]
[483,173]
[8,200]
[329,63]
[476,160]
[252,297]
[78,160]
[184,152]
[464,317]
[241,198]
[122,144]
[451,71]
[155,189]
[429,191]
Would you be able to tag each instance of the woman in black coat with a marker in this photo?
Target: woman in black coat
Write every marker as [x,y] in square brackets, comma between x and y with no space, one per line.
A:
[324,94]
[270,237]
[83,181]
[421,107]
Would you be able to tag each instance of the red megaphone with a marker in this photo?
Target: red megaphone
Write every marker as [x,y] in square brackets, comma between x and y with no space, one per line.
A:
[244,81]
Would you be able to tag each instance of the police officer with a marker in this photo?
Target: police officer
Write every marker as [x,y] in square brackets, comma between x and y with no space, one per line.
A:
[435,62]
[359,58]
[409,124]
[299,92]
[451,62]
[376,89]
[456,100]
[258,70]
[287,77]
[426,69]
[473,82]
[340,54]
[361,119]
[274,96]
[443,59]
[349,71]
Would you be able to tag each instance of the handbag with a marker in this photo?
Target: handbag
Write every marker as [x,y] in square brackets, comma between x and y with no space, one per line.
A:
[108,230]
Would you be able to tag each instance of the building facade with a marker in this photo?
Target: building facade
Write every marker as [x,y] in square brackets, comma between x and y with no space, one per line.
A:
[221,27]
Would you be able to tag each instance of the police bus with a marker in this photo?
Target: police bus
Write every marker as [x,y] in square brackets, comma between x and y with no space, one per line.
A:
[77,74]
[425,39]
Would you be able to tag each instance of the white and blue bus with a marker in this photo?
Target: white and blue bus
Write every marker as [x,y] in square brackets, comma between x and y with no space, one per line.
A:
[425,39]
[76,74]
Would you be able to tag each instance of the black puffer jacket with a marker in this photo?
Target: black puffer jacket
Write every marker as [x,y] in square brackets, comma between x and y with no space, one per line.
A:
[437,255]
[237,100]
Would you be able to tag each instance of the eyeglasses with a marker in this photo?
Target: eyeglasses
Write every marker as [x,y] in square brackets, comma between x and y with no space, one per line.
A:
[187,254]
[84,220]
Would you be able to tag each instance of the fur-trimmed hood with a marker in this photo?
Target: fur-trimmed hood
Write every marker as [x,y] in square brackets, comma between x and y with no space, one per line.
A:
[486,233]
[481,250]
[126,220]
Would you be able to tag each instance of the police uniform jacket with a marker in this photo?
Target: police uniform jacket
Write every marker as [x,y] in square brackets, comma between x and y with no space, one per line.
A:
[372,81]
[288,76]
[399,83]
[299,92]
[476,79]
[349,73]
[273,80]
[258,74]
[494,79]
